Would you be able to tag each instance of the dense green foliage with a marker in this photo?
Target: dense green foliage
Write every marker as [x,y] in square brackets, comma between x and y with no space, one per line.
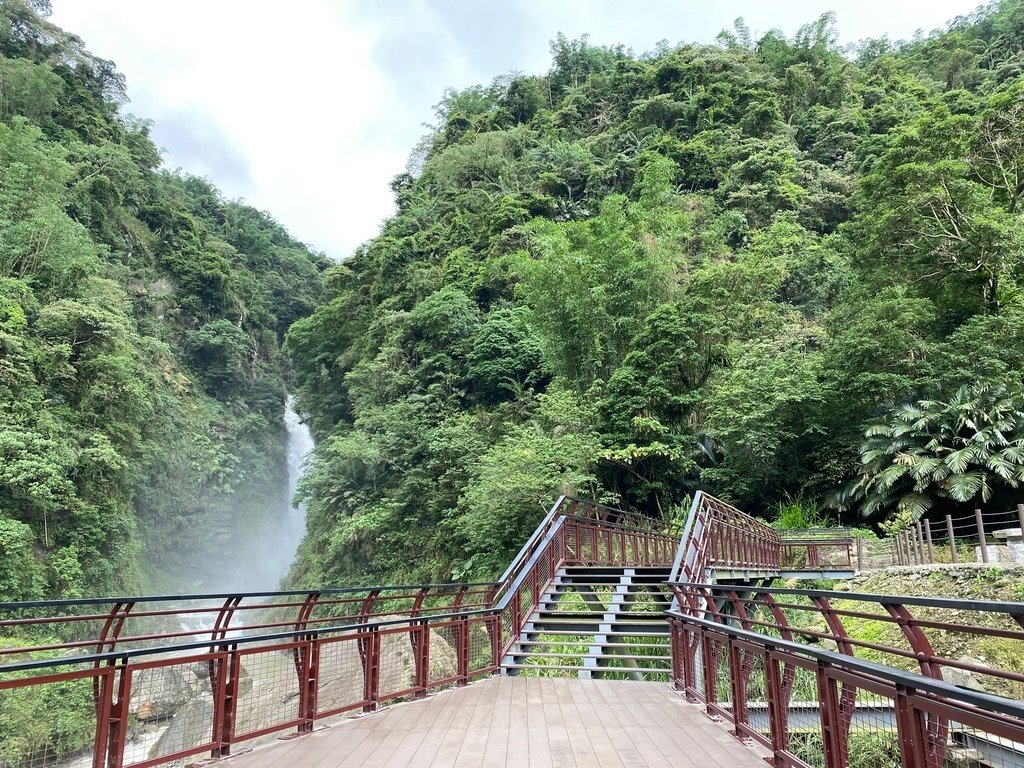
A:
[633,277]
[141,318]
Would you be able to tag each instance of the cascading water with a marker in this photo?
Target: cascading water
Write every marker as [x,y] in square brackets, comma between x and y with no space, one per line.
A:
[270,546]
[283,538]
[300,445]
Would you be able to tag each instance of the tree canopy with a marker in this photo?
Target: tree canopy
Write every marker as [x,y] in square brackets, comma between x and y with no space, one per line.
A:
[142,383]
[709,266]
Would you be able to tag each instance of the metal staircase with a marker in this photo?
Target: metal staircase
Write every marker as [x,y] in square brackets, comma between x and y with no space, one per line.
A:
[597,622]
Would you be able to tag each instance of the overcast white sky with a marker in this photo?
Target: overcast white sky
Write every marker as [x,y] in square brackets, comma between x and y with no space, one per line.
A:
[308,109]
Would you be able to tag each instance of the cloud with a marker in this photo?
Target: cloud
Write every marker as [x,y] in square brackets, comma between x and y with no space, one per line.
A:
[201,147]
[309,110]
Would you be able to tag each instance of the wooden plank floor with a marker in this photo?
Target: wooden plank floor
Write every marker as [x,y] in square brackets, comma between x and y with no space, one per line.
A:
[520,721]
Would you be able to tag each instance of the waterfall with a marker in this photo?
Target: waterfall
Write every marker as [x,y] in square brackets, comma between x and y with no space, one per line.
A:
[271,546]
[299,446]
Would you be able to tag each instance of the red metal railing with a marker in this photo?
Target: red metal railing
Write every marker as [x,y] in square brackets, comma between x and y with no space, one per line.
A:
[205,673]
[108,624]
[598,536]
[720,537]
[831,549]
[236,689]
[837,679]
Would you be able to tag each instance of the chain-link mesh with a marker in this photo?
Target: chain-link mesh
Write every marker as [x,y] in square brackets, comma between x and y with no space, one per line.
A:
[172,708]
[52,720]
[340,677]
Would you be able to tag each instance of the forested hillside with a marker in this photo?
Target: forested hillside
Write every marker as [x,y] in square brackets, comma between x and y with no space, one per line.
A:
[141,320]
[711,266]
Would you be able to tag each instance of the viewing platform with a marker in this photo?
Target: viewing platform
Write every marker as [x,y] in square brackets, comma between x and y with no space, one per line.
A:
[521,721]
[609,641]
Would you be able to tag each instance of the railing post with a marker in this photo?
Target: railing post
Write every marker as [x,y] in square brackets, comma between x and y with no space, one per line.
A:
[778,709]
[371,671]
[739,693]
[104,702]
[462,649]
[831,731]
[860,553]
[981,535]
[910,730]
[952,539]
[233,671]
[928,537]
[495,622]
[1020,517]
[919,542]
[119,717]
[420,635]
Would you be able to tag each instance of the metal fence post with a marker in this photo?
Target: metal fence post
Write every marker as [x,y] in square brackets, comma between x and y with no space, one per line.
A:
[928,537]
[981,535]
[952,538]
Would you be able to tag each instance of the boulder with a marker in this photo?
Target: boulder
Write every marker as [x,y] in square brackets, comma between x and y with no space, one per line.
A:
[158,693]
[190,727]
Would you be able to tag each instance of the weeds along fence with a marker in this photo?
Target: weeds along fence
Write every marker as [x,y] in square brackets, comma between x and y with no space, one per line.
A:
[982,537]
[832,680]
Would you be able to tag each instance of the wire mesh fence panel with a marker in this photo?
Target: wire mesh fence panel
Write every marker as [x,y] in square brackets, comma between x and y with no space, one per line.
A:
[341,681]
[52,718]
[751,698]
[268,699]
[975,745]
[804,741]
[400,654]
[444,665]
[175,708]
[867,724]
[718,676]
[480,646]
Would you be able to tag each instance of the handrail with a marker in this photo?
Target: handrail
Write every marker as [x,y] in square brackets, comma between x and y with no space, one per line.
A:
[113,623]
[875,675]
[571,505]
[938,687]
[537,534]
[502,602]
[717,535]
[66,602]
[137,653]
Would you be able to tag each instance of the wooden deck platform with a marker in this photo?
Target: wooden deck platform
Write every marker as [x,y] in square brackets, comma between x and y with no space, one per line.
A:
[518,722]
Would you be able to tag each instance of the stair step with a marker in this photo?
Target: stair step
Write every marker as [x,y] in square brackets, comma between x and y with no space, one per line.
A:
[593,670]
[655,616]
[567,581]
[616,656]
[591,633]
[524,645]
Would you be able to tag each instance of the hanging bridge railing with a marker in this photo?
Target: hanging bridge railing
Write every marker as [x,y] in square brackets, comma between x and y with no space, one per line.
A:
[832,679]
